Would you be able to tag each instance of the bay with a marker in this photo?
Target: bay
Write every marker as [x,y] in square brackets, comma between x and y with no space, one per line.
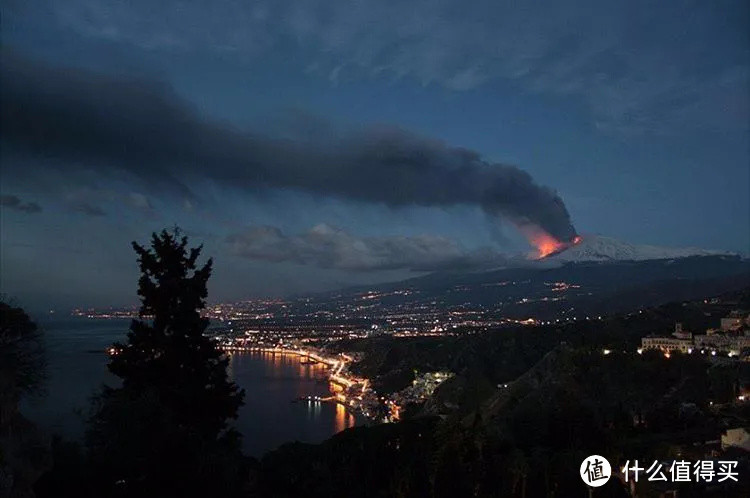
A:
[77,368]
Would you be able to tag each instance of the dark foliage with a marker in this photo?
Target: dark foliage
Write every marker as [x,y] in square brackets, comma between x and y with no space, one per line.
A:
[22,359]
[392,460]
[24,450]
[165,431]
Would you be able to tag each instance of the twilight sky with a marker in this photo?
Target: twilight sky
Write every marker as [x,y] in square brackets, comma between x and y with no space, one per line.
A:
[317,144]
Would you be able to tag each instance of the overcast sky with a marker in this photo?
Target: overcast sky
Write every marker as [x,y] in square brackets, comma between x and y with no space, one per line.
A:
[316,144]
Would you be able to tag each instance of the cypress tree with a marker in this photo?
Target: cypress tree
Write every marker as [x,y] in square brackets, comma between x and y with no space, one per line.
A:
[166,430]
[167,348]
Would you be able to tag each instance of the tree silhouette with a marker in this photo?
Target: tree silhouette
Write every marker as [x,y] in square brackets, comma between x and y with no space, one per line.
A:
[22,358]
[169,350]
[24,451]
[165,430]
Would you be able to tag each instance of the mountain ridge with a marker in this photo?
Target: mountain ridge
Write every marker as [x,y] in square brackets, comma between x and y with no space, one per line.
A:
[602,248]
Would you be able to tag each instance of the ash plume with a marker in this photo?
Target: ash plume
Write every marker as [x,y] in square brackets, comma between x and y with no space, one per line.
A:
[82,119]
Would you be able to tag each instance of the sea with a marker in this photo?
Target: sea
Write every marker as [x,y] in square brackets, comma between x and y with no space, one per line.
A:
[273,383]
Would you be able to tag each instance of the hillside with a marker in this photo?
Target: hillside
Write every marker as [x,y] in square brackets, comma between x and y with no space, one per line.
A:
[550,290]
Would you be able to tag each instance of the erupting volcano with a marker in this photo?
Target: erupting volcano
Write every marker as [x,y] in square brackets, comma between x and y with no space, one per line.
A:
[547,245]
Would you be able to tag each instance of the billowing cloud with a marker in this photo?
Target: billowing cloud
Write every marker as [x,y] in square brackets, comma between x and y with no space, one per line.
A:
[328,247]
[82,118]
[13,202]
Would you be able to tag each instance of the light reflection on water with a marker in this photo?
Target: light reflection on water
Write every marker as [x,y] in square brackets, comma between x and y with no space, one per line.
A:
[344,419]
[269,418]
[280,379]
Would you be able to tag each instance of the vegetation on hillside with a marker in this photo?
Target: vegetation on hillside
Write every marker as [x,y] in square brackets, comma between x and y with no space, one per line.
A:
[24,451]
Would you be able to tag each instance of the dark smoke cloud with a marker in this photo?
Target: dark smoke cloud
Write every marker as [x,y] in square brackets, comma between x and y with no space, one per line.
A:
[13,202]
[328,247]
[86,118]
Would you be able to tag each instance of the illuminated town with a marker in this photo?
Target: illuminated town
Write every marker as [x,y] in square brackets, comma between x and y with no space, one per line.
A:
[320,330]
[311,328]
[731,339]
[401,313]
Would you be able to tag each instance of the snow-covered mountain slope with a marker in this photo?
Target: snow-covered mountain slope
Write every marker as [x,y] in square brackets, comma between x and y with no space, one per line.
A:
[599,248]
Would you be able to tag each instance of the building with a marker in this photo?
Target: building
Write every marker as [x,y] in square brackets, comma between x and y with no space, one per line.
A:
[729,339]
[736,438]
[729,343]
[667,344]
[680,333]
[681,340]
[732,323]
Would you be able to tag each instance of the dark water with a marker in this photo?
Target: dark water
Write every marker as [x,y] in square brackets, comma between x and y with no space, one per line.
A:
[77,367]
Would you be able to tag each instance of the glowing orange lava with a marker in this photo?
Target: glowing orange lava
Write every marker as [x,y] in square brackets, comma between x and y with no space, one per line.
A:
[545,243]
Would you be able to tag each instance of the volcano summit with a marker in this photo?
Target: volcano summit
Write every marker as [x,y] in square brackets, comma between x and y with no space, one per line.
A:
[601,248]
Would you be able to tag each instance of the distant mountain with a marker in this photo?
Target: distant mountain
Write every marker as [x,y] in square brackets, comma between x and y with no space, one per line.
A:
[597,276]
[600,248]
[550,289]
